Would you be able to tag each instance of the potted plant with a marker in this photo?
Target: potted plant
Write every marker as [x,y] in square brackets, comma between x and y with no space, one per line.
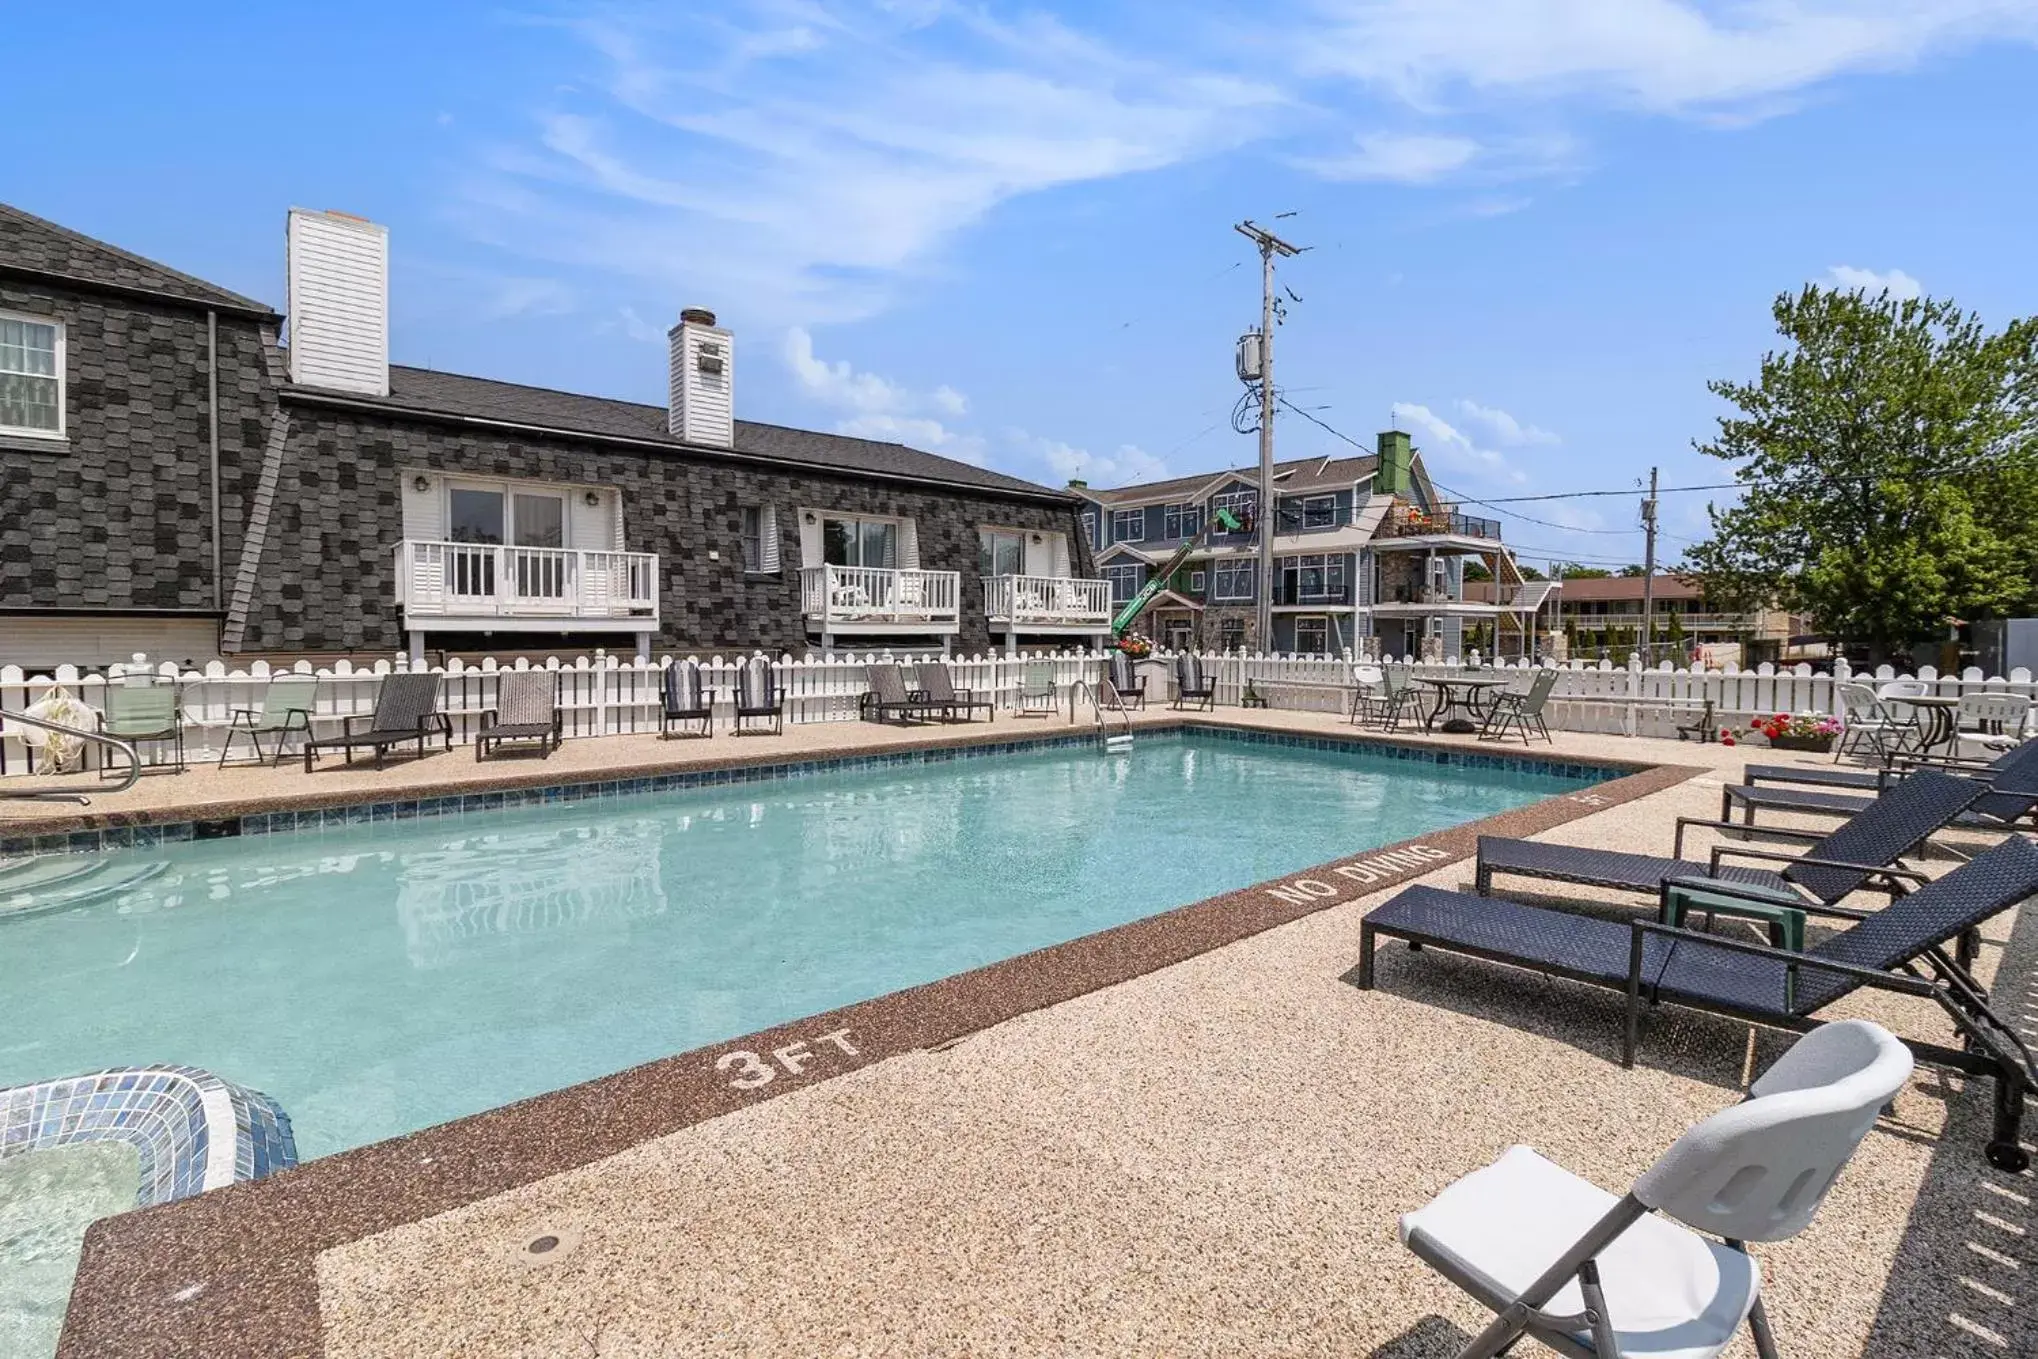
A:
[1135,646]
[1798,731]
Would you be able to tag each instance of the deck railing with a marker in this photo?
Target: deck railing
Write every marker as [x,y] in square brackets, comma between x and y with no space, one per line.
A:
[458,580]
[843,596]
[1060,600]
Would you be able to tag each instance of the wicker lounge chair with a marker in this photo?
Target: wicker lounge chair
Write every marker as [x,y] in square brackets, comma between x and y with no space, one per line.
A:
[406,709]
[142,714]
[758,697]
[940,690]
[888,696]
[1191,684]
[1522,710]
[685,699]
[287,706]
[526,709]
[2011,798]
[1126,680]
[1559,1259]
[1898,948]
[1863,852]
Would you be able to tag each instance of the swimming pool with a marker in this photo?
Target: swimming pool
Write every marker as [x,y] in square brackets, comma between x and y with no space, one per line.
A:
[378,977]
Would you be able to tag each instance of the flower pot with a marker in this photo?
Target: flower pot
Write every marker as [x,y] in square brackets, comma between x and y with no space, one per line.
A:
[1813,743]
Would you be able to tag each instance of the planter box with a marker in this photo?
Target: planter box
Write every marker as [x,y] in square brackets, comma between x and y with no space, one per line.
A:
[1821,744]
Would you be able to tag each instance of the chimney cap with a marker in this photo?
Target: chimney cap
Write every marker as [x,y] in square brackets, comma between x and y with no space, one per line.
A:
[1077,483]
[700,316]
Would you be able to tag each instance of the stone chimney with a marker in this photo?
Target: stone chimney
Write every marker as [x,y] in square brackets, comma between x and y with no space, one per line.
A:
[338,302]
[701,406]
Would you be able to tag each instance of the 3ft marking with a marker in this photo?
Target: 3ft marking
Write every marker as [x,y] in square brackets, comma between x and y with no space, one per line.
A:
[753,1072]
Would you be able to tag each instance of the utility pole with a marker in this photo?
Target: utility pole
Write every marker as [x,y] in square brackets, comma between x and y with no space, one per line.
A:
[1649,573]
[1270,245]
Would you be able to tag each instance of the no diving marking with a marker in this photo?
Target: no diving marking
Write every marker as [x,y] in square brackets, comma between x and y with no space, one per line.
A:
[1375,868]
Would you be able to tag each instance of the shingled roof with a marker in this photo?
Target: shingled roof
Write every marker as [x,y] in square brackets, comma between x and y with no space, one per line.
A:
[425,391]
[31,245]
[1297,474]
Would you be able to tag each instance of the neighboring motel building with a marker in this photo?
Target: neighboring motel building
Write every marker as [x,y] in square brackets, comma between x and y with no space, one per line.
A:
[177,480]
[1367,558]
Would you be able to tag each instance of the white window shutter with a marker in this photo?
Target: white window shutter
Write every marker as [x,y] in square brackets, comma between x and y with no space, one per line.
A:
[767,536]
[1061,556]
[908,549]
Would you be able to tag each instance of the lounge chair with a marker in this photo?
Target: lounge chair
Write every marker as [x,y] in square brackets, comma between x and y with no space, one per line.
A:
[2011,797]
[526,709]
[1127,681]
[1559,1259]
[940,691]
[1900,947]
[406,709]
[1191,684]
[1039,695]
[1522,710]
[1864,851]
[758,697]
[142,714]
[685,699]
[287,706]
[888,696]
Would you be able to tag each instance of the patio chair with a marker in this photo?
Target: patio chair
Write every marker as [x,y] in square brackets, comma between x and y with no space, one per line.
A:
[287,705]
[1397,698]
[1865,851]
[1870,723]
[1522,710]
[940,691]
[1038,695]
[1191,684]
[406,709]
[758,697]
[683,698]
[1901,948]
[1366,681]
[142,714]
[1990,721]
[2012,782]
[1561,1260]
[526,709]
[1127,681]
[887,696]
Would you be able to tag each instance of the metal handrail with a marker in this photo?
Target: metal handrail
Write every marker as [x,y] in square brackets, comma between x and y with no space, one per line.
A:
[134,761]
[1083,688]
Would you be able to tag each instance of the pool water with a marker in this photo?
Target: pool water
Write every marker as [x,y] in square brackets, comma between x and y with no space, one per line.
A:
[384,977]
[47,1200]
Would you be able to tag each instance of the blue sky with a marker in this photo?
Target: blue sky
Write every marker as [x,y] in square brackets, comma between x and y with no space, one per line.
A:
[1004,232]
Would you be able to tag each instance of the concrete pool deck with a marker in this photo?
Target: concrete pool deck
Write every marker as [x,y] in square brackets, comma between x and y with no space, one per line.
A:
[1204,1154]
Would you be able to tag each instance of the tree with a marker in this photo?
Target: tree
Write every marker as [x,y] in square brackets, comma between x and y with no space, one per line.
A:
[1573,571]
[1889,459]
[1633,572]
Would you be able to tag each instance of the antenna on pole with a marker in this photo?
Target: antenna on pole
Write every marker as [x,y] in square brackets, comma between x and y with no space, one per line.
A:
[1269,246]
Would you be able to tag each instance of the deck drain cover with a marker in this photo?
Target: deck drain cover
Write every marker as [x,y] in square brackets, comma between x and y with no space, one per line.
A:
[545,1246]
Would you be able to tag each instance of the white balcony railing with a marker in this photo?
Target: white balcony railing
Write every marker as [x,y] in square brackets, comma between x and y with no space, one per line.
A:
[1047,600]
[848,595]
[459,580]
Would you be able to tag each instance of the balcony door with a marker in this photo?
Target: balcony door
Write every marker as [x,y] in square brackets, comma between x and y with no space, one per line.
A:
[494,516]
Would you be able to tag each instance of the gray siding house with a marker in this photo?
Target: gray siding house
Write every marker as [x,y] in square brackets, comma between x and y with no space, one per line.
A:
[177,480]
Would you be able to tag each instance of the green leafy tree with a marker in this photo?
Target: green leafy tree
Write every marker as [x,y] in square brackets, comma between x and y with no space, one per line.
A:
[1889,455]
[1673,636]
[1573,571]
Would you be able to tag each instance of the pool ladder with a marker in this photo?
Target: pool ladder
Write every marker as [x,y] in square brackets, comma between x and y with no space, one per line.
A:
[1110,742]
[72,793]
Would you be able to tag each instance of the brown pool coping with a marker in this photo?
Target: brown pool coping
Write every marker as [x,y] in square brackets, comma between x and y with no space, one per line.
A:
[233,1271]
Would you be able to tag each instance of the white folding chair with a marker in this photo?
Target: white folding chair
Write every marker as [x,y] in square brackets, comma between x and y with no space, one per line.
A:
[1596,1277]
[1990,722]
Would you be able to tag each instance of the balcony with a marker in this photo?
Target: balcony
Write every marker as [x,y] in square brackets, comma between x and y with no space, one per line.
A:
[1406,521]
[872,599]
[1307,594]
[1692,622]
[1048,602]
[490,587]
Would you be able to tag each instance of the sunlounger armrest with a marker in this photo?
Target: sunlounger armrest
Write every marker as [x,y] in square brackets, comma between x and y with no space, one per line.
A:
[1909,985]
[1813,861]
[1738,829]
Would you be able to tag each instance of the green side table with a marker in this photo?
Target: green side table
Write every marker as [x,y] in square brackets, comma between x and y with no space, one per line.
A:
[1786,923]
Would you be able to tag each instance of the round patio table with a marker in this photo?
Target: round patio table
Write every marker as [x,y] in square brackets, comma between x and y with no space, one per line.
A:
[1936,716]
[1460,694]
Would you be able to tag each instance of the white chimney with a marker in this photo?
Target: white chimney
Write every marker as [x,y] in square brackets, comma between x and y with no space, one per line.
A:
[338,302]
[701,406]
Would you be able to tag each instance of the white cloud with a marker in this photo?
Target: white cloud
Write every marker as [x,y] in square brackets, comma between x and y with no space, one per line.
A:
[1128,465]
[1503,427]
[1406,158]
[1896,282]
[1453,447]
[875,407]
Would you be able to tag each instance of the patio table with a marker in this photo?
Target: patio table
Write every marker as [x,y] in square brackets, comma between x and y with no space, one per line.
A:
[1460,694]
[1936,715]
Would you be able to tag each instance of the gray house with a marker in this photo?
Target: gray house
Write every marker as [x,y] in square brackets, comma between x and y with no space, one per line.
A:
[176,480]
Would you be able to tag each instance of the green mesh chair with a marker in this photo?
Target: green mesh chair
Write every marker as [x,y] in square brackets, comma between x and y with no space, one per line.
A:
[142,714]
[287,706]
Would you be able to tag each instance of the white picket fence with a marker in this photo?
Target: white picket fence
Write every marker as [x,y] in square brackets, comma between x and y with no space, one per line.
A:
[604,695]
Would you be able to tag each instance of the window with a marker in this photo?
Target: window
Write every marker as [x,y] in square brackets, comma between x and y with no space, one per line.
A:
[1184,521]
[1001,552]
[1234,580]
[1312,636]
[1124,582]
[1197,580]
[1240,503]
[1128,526]
[31,376]
[1231,634]
[760,539]
[859,542]
[1090,528]
[1319,511]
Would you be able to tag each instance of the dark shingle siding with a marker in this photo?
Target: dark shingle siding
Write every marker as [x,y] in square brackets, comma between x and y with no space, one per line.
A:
[28,242]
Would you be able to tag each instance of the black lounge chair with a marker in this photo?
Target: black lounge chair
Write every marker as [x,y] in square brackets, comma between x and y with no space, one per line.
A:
[1191,684]
[406,709]
[686,699]
[1814,776]
[887,696]
[2012,795]
[526,709]
[940,692]
[758,697]
[1126,680]
[1901,947]
[1865,851]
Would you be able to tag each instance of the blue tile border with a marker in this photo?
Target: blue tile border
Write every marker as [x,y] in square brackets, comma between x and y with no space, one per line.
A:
[454,803]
